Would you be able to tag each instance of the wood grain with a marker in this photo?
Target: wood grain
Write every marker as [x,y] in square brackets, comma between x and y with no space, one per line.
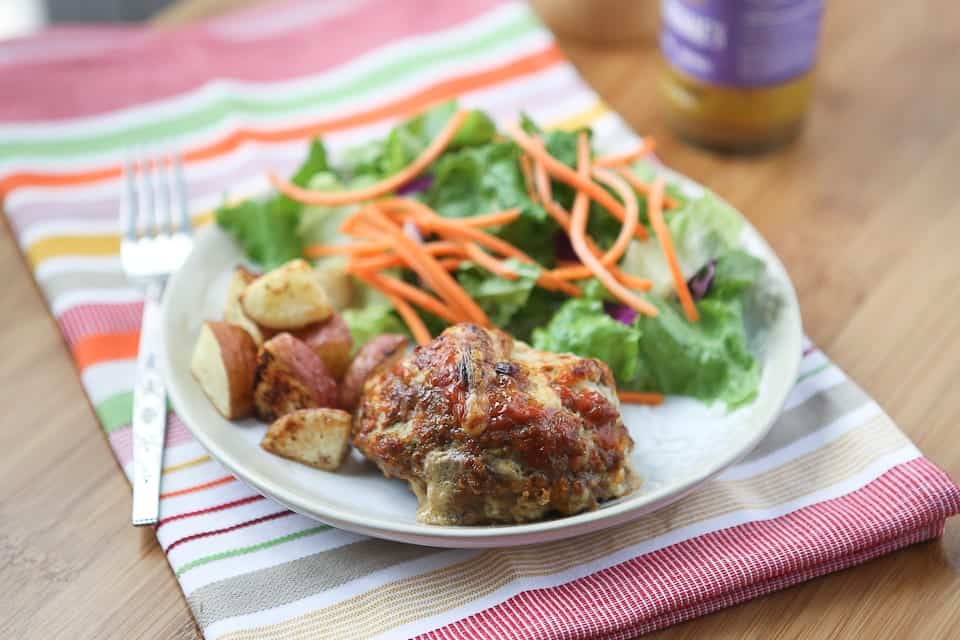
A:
[863,211]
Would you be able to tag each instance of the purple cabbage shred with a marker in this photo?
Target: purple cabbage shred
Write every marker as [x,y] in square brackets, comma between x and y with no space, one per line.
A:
[620,312]
[417,185]
[562,248]
[702,280]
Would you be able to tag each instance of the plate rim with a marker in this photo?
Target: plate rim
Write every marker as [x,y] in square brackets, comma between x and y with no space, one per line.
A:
[488,535]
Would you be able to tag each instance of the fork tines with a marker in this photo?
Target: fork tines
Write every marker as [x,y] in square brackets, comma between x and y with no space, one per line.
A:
[156,198]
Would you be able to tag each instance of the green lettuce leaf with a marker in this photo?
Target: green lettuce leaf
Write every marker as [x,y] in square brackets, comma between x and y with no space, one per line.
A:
[582,327]
[541,306]
[381,158]
[267,234]
[266,229]
[487,178]
[647,171]
[736,272]
[370,321]
[321,224]
[500,298]
[562,145]
[709,360]
[702,229]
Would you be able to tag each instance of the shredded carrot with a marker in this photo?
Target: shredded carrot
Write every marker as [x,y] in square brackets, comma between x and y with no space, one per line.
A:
[630,221]
[418,210]
[457,228]
[419,330]
[633,282]
[564,173]
[495,219]
[430,221]
[646,146]
[350,223]
[581,272]
[558,213]
[578,238]
[655,211]
[488,262]
[528,177]
[378,263]
[389,284]
[450,226]
[427,267]
[374,264]
[451,264]
[542,180]
[353,248]
[572,272]
[545,193]
[644,188]
[444,248]
[640,397]
[550,283]
[546,280]
[361,228]
[388,185]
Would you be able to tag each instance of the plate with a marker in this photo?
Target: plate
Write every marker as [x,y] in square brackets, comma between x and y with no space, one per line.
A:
[679,445]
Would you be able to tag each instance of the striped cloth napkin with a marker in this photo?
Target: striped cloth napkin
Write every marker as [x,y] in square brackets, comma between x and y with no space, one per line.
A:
[835,484]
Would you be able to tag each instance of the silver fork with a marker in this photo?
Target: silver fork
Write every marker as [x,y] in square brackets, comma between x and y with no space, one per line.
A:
[155,243]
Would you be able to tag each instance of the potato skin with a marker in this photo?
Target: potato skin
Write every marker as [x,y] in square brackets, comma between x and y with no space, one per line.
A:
[372,355]
[332,341]
[290,376]
[316,437]
[224,364]
[289,297]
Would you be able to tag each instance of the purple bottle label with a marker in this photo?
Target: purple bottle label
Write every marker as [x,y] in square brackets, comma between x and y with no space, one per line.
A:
[741,43]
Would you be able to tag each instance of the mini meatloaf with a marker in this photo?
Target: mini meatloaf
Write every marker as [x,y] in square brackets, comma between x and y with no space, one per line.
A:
[488,430]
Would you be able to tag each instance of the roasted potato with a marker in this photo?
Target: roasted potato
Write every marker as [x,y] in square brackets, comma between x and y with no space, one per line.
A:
[290,376]
[379,351]
[289,297]
[332,341]
[338,284]
[316,437]
[233,312]
[224,362]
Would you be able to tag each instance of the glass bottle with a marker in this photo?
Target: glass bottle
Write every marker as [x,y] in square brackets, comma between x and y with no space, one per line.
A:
[739,73]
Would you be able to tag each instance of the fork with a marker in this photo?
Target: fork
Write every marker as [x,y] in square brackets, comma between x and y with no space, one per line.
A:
[155,243]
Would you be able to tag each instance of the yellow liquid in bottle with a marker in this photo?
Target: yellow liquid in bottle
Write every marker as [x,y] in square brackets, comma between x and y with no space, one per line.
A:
[738,73]
[734,119]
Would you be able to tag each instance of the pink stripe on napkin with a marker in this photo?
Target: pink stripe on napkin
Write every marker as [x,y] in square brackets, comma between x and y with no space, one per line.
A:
[720,569]
[155,64]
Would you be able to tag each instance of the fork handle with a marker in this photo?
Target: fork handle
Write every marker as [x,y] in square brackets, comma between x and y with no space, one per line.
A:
[149,415]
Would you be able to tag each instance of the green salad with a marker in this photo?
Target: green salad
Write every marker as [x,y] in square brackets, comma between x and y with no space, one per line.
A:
[480,172]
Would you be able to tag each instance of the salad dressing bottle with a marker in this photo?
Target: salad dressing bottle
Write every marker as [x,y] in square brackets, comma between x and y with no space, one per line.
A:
[738,73]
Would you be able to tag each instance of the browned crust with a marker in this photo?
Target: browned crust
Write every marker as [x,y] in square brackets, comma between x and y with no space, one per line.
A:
[290,376]
[289,436]
[377,353]
[533,434]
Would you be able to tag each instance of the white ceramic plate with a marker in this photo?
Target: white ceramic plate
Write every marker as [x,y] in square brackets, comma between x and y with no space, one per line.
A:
[679,445]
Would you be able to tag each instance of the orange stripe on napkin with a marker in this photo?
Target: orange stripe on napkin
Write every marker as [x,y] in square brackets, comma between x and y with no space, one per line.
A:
[102,347]
[405,106]
[198,487]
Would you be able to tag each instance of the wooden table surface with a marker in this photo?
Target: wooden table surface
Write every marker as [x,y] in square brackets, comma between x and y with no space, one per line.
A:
[864,211]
